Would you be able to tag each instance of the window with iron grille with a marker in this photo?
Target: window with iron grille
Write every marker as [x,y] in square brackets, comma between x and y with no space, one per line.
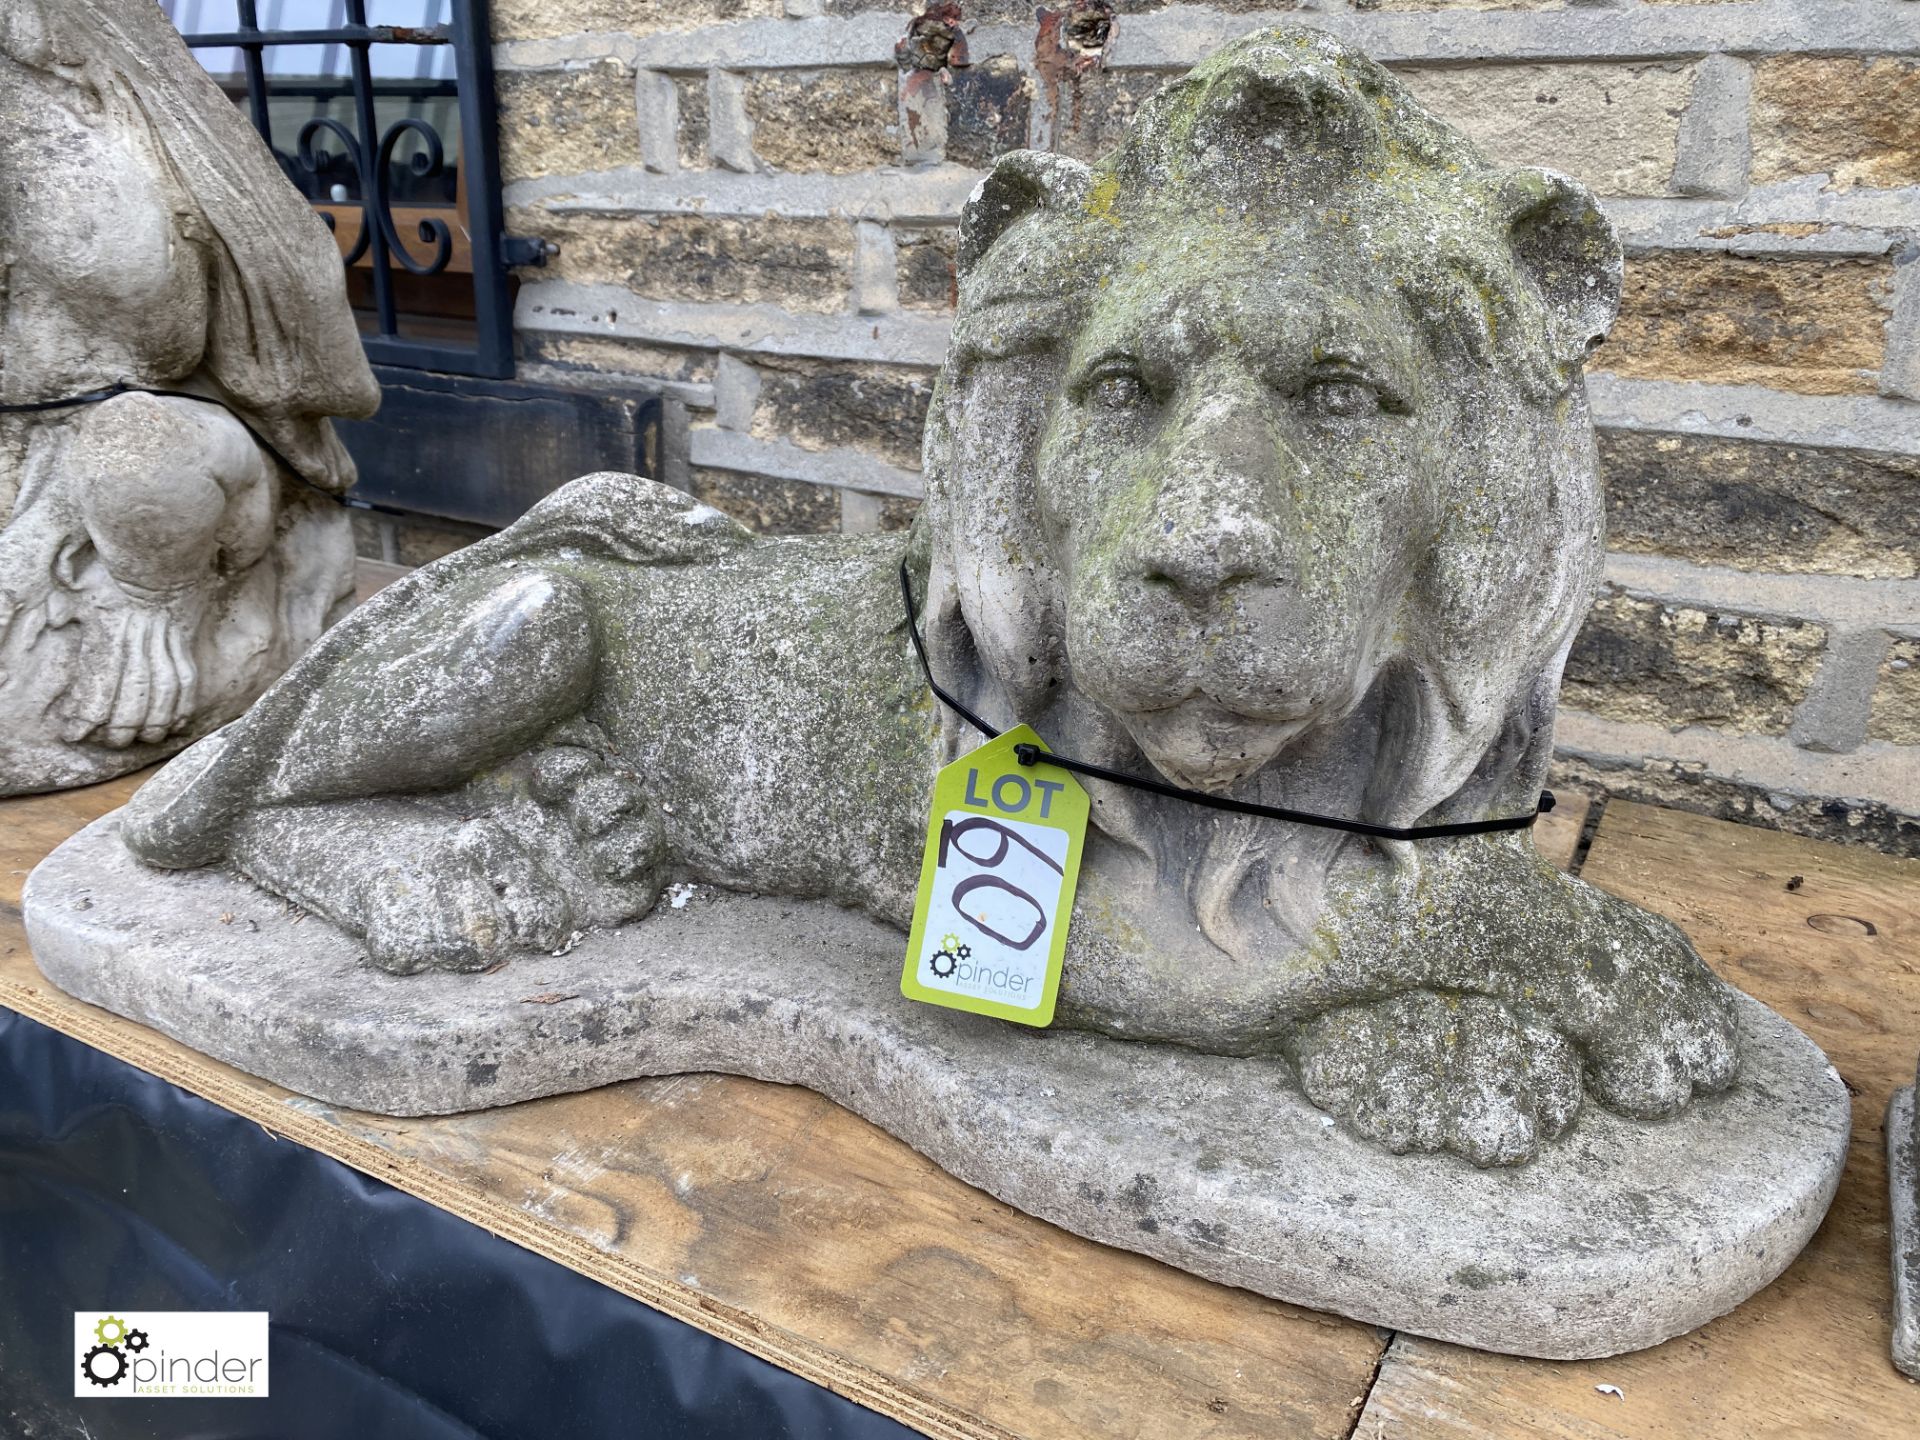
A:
[382,113]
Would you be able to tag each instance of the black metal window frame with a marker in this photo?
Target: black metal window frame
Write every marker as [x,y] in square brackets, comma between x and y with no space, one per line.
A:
[370,152]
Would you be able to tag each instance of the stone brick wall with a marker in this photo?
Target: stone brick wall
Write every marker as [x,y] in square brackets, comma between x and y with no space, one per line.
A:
[753,204]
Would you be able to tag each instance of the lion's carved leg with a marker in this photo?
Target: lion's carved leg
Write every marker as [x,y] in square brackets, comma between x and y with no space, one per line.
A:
[474,679]
[555,840]
[428,890]
[1655,1025]
[1475,1011]
[1494,1077]
[439,792]
[468,682]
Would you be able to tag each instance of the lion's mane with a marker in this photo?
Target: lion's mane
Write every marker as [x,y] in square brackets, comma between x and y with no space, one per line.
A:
[1510,275]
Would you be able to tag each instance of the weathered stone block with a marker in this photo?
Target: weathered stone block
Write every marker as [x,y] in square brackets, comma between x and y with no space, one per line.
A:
[1682,784]
[1096,108]
[836,121]
[692,91]
[1674,665]
[1762,507]
[1460,4]
[608,354]
[1896,697]
[988,108]
[876,269]
[867,7]
[1614,126]
[1814,325]
[1715,150]
[819,405]
[657,108]
[419,541]
[566,122]
[923,101]
[410,539]
[769,505]
[729,131]
[897,512]
[862,513]
[736,390]
[796,264]
[928,267]
[546,19]
[1855,119]
[367,542]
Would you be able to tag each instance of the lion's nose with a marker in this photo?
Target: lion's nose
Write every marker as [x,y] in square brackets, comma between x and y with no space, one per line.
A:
[1211,521]
[1200,559]
[1200,555]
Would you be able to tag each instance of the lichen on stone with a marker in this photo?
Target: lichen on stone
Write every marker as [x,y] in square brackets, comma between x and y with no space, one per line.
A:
[1260,462]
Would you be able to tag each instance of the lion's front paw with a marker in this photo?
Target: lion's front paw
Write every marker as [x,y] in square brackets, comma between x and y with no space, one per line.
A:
[1664,1043]
[1430,1071]
[1656,1025]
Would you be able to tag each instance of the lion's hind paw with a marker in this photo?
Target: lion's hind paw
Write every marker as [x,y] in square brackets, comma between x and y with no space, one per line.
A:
[462,896]
[1429,1071]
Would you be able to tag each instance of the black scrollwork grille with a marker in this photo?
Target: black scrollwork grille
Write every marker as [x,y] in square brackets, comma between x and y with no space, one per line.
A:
[350,163]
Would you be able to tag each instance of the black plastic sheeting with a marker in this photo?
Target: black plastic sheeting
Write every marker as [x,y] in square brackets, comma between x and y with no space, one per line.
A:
[389,1317]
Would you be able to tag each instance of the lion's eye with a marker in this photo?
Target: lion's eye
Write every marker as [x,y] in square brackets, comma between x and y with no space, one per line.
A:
[1119,389]
[1343,398]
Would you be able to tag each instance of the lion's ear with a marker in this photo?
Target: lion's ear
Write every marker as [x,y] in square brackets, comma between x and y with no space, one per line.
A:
[1022,181]
[1568,248]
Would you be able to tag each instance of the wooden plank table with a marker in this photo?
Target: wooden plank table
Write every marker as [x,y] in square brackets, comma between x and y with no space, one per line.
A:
[772,1218]
[1829,936]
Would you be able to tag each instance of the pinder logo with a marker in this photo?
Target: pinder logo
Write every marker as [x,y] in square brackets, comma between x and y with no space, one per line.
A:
[160,1354]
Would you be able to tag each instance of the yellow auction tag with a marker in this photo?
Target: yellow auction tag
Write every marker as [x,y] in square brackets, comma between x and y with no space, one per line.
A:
[996,885]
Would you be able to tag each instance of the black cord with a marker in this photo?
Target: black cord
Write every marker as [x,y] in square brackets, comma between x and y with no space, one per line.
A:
[1029,754]
[96,397]
[920,649]
[1026,754]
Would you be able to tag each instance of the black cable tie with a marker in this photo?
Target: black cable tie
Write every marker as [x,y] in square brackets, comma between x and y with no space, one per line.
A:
[90,397]
[920,649]
[1028,753]
[113,392]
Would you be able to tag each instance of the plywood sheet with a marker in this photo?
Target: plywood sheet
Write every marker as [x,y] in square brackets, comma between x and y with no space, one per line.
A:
[1828,935]
[370,577]
[768,1216]
[1556,834]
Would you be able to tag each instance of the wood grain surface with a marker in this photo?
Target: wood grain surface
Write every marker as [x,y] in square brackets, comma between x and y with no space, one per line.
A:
[1830,937]
[370,577]
[768,1216]
[1556,834]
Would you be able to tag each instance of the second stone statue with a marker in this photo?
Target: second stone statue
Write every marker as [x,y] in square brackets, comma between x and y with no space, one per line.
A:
[174,334]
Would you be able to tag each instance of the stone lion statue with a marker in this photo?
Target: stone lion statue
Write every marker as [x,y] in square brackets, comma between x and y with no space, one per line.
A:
[163,557]
[1260,462]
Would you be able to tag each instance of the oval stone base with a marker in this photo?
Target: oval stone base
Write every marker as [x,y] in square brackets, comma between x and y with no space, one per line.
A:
[1621,1235]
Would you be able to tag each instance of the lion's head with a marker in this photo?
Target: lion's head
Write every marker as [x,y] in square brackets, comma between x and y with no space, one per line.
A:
[1261,452]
